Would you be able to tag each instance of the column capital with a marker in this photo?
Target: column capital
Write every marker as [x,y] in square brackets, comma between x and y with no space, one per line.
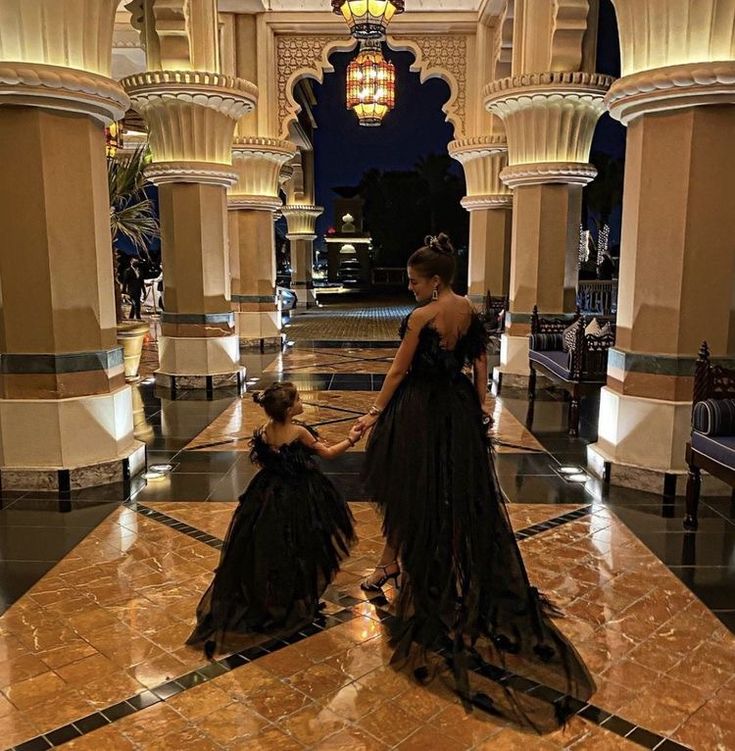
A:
[543,173]
[490,201]
[191,117]
[301,220]
[258,163]
[673,87]
[549,120]
[483,158]
[60,88]
[658,34]
[475,147]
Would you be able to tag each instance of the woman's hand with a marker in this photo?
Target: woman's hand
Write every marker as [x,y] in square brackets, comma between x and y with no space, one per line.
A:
[366,422]
[488,419]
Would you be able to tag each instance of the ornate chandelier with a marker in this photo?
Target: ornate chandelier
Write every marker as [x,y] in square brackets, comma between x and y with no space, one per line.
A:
[371,84]
[368,19]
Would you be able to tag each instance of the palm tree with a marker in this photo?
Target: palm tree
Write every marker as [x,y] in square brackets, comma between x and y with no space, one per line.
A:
[132,212]
[605,192]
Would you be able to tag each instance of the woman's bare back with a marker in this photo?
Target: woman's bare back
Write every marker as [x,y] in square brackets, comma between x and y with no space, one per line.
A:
[450,316]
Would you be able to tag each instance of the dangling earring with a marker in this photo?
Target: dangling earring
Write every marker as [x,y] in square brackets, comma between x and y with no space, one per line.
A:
[435,294]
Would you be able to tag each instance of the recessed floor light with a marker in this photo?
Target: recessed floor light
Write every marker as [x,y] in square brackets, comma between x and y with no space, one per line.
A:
[580,477]
[162,468]
[571,470]
[151,476]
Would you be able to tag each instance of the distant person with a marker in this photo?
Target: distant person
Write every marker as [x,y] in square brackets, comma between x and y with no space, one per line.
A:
[134,287]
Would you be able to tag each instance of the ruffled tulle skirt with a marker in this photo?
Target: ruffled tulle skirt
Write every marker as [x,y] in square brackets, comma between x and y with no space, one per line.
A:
[283,547]
[465,592]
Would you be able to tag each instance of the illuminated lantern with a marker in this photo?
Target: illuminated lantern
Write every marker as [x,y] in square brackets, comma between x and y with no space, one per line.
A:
[371,85]
[367,19]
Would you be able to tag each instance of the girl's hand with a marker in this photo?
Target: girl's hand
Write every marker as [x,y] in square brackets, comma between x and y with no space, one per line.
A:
[355,434]
[366,422]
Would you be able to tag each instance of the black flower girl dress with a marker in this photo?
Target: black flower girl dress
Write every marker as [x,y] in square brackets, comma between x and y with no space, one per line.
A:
[465,594]
[284,545]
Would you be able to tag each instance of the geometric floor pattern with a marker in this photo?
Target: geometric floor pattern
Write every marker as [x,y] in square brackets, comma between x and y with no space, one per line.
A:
[92,655]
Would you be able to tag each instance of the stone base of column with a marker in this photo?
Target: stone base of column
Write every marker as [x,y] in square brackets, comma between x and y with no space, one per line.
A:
[200,363]
[513,369]
[256,328]
[63,444]
[625,453]
[305,297]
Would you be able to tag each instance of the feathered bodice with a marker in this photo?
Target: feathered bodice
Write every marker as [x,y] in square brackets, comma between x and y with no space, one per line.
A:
[431,358]
[288,459]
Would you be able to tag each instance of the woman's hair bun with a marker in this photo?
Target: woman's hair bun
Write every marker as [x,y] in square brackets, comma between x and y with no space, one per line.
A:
[441,244]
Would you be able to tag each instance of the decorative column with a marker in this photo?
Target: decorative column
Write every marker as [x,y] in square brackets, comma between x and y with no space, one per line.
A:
[66,414]
[549,120]
[252,203]
[301,221]
[677,269]
[490,203]
[191,117]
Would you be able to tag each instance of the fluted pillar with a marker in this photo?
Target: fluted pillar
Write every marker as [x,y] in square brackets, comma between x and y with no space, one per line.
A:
[677,268]
[490,203]
[252,202]
[191,117]
[301,221]
[549,121]
[66,414]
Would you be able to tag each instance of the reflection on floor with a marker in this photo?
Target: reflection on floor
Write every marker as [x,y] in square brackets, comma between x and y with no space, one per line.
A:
[99,592]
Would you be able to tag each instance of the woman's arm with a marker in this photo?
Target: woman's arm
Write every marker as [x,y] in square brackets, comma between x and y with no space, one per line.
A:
[398,369]
[320,448]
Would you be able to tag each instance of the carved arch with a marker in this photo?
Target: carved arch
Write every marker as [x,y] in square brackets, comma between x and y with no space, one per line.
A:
[443,57]
[299,57]
[303,56]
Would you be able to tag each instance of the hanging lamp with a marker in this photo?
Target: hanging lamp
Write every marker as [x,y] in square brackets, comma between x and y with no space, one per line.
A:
[371,84]
[368,19]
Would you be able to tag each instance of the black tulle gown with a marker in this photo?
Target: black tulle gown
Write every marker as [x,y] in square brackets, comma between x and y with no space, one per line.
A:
[465,591]
[283,547]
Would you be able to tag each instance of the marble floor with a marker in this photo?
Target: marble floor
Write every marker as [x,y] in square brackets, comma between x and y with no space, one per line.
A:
[98,590]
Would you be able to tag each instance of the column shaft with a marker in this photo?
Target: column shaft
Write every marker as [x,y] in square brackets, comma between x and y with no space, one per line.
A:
[198,339]
[253,259]
[66,417]
[302,264]
[490,249]
[677,287]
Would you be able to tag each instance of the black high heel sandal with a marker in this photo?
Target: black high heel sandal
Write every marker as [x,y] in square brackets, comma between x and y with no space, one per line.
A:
[377,586]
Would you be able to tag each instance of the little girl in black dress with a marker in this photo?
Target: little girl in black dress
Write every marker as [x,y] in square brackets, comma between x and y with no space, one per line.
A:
[287,537]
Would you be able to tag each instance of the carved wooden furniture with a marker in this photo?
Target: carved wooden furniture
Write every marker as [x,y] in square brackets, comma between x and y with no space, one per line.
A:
[582,367]
[712,444]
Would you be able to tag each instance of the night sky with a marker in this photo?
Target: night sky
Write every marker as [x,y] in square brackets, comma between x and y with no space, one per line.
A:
[416,127]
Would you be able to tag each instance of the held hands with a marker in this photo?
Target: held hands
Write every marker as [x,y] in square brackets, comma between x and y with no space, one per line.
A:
[366,422]
[355,434]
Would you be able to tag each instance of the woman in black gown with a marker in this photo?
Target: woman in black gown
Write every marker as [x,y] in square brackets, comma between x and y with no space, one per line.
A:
[465,592]
[287,537]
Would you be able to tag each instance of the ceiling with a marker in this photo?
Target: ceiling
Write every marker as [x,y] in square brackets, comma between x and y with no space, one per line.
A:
[250,6]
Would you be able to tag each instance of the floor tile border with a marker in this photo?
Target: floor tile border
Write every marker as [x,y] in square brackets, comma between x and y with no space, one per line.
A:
[136,703]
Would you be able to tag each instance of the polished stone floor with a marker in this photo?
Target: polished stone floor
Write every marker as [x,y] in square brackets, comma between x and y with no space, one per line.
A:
[97,591]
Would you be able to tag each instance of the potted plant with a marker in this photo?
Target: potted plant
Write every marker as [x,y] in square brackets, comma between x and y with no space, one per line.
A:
[133,217]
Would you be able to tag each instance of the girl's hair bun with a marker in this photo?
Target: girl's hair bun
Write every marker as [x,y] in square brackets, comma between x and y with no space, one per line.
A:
[440,244]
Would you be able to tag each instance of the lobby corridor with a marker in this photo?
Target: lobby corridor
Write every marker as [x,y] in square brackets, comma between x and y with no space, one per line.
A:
[98,588]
